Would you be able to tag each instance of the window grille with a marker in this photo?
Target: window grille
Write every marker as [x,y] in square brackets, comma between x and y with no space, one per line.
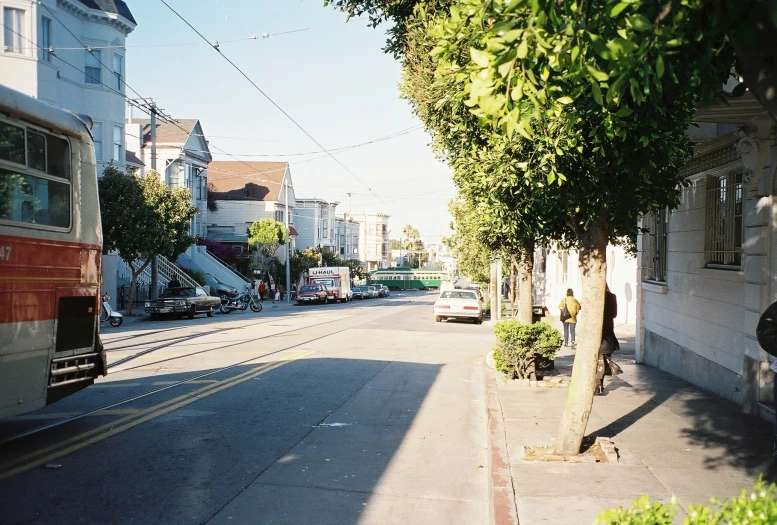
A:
[654,246]
[723,225]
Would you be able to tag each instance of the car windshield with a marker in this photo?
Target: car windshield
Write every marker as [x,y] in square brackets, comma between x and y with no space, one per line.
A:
[357,289]
[310,288]
[179,292]
[458,294]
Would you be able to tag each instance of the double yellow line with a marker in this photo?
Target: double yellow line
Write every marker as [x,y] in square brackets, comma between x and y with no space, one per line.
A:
[52,452]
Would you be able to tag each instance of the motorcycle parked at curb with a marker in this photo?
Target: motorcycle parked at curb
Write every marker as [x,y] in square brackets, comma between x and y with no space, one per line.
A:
[242,302]
[109,314]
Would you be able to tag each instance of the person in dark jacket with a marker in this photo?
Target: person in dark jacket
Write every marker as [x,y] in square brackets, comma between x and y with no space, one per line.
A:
[766,333]
[609,342]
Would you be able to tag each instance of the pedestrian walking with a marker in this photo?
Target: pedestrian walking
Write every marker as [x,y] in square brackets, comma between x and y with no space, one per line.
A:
[569,307]
[293,290]
[262,290]
[272,289]
[766,333]
[609,344]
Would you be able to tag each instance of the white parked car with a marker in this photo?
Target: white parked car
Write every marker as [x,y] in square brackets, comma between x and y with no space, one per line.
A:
[458,304]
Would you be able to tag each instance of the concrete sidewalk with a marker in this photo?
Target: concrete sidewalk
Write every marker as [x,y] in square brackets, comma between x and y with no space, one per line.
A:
[673,440]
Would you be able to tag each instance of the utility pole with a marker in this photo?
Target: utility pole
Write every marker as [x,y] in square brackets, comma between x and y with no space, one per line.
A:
[288,241]
[154,292]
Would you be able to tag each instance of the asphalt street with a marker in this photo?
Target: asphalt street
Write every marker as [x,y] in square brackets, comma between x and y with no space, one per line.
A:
[359,413]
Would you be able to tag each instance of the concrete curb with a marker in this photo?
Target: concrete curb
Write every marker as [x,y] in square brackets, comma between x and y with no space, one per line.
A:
[502,507]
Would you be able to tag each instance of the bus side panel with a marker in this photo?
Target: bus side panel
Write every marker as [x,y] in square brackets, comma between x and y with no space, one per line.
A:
[35,275]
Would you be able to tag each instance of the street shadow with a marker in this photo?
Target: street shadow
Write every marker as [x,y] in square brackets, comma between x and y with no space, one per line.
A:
[305,442]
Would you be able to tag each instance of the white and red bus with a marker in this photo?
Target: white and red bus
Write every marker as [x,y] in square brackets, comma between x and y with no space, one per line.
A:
[50,255]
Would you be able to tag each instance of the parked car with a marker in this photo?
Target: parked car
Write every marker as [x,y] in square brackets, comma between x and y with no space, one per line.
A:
[383,291]
[458,304]
[183,300]
[312,293]
[373,291]
[358,293]
[219,289]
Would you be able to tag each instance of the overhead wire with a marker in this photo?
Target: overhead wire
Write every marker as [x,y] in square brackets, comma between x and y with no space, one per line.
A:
[269,99]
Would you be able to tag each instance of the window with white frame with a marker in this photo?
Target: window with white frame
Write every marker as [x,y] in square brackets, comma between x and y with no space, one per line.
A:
[279,215]
[97,134]
[118,144]
[325,226]
[44,38]
[723,225]
[654,245]
[93,69]
[13,30]
[118,72]
[187,176]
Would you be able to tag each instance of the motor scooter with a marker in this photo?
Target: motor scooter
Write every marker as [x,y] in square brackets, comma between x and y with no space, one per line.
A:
[109,314]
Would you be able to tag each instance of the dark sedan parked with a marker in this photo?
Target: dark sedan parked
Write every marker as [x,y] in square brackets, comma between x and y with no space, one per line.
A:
[180,301]
[358,293]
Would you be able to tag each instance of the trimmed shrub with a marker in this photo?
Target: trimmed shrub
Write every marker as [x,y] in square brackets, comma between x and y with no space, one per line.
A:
[196,275]
[759,507]
[518,346]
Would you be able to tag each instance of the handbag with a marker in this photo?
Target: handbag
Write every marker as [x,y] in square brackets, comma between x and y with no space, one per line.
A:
[611,368]
[565,312]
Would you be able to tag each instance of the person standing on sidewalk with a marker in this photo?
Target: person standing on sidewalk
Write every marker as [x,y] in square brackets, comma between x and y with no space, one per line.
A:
[570,324]
[262,290]
[272,290]
[766,333]
[609,341]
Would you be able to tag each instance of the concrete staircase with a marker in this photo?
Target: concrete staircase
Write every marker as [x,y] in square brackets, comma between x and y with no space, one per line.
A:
[198,258]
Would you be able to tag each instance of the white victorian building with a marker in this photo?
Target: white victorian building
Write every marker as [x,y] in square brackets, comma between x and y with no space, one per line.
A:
[71,54]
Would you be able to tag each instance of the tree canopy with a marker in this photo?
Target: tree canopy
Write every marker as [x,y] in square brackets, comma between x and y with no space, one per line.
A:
[143,218]
[265,237]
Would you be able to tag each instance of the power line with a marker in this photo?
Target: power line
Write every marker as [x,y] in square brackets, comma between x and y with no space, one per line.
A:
[266,96]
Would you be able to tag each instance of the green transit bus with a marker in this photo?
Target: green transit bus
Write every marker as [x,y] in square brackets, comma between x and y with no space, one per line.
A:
[407,278]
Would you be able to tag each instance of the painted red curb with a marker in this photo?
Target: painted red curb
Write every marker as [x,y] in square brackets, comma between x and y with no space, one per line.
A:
[503,510]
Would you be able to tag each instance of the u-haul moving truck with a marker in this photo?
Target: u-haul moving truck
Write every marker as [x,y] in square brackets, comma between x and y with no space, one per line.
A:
[337,280]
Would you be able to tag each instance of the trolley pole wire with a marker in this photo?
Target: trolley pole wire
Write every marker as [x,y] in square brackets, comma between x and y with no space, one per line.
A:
[266,96]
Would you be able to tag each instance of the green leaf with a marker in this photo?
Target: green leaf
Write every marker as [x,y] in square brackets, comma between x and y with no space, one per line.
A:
[659,66]
[598,75]
[565,100]
[624,112]
[618,9]
[640,23]
[575,53]
[479,57]
[523,49]
[597,92]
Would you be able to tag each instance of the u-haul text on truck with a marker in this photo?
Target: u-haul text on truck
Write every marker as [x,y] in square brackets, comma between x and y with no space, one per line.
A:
[337,280]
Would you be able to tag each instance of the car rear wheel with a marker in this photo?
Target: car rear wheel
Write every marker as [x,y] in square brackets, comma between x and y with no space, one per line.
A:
[210,312]
[192,311]
[480,320]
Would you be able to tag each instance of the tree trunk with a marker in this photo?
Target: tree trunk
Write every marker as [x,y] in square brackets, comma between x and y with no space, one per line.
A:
[134,283]
[513,286]
[525,271]
[593,265]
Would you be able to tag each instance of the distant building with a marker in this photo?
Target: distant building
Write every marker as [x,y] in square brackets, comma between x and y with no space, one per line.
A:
[440,258]
[183,159]
[316,224]
[247,192]
[41,58]
[347,238]
[374,246]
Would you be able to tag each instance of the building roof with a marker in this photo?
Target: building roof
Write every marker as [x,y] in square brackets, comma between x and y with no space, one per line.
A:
[167,133]
[110,6]
[735,110]
[236,180]
[133,159]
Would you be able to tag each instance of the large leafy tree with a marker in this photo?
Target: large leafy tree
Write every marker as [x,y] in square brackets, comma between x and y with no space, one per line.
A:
[143,218]
[472,256]
[590,102]
[265,237]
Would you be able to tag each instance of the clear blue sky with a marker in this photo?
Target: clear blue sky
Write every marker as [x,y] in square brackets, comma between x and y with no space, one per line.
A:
[334,80]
